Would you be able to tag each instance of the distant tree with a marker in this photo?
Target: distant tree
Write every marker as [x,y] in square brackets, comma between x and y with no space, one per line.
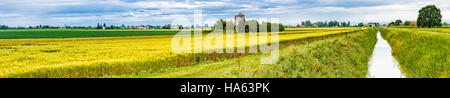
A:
[376,24]
[360,24]
[219,22]
[46,26]
[3,27]
[151,26]
[281,27]
[319,24]
[407,23]
[253,23]
[89,27]
[308,23]
[444,23]
[330,24]
[333,23]
[345,24]
[269,26]
[326,23]
[99,26]
[166,26]
[397,22]
[429,16]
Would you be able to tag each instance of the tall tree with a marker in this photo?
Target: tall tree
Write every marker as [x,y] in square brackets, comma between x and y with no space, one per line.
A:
[98,26]
[407,23]
[360,24]
[333,23]
[3,27]
[398,22]
[429,16]
[343,24]
[308,23]
[252,23]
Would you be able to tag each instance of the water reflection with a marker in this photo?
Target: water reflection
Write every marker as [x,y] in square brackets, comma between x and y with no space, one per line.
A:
[383,64]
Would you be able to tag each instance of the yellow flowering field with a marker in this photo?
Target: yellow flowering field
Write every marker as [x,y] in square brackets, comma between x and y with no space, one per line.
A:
[102,56]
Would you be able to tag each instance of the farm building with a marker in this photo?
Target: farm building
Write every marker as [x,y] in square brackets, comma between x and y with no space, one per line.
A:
[238,19]
[371,25]
[411,23]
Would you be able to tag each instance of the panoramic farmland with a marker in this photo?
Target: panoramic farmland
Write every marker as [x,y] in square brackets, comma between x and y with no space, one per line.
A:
[334,40]
[224,47]
[105,56]
[345,52]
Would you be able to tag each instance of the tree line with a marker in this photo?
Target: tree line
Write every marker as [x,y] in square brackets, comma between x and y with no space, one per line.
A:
[429,16]
[334,23]
[249,23]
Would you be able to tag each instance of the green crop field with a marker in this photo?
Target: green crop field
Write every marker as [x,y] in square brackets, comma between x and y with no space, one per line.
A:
[63,33]
[105,53]
[344,53]
[344,56]
[421,52]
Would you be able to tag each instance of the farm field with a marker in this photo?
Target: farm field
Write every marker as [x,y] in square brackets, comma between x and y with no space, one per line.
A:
[343,56]
[421,52]
[70,55]
[444,30]
[71,33]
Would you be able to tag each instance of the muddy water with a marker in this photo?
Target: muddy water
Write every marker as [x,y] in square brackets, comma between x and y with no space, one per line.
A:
[383,64]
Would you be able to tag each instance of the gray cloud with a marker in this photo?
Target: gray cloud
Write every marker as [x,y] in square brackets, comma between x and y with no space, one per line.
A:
[135,12]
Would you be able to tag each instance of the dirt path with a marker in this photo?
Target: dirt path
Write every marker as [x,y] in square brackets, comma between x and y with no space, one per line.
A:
[383,64]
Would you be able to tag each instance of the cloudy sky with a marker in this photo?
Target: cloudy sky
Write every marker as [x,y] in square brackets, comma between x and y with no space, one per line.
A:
[159,12]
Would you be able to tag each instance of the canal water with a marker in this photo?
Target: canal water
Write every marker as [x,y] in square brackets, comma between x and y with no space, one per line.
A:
[383,64]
